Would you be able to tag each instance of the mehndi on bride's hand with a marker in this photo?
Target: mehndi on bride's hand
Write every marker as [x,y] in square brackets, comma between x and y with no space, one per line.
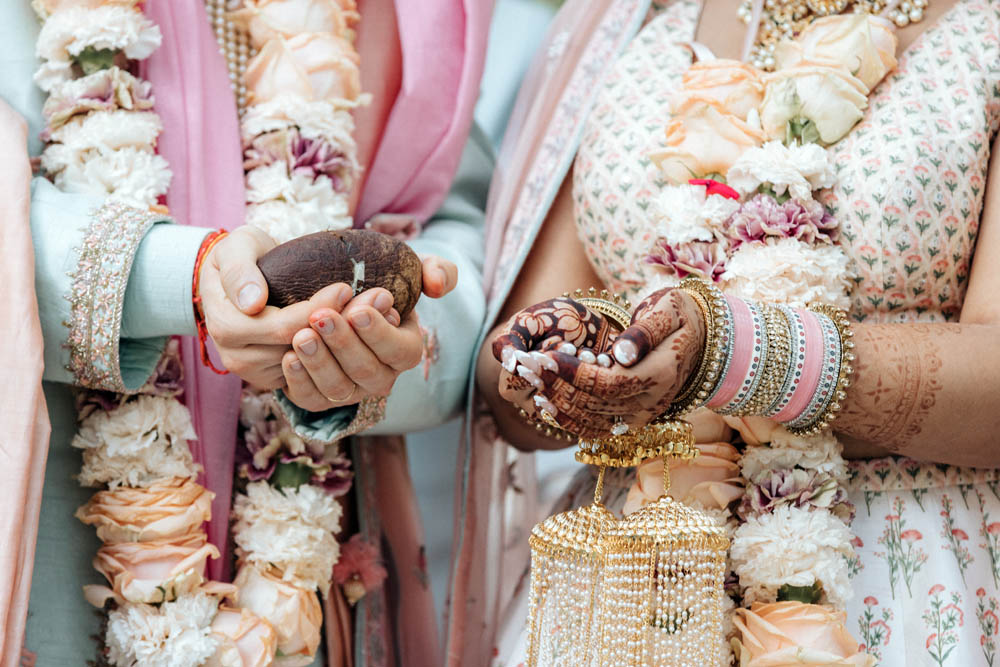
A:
[588,394]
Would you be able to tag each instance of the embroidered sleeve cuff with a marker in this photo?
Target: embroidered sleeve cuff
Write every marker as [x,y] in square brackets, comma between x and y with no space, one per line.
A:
[98,357]
[335,424]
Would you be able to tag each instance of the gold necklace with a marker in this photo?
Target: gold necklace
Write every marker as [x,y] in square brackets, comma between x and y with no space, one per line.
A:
[784,19]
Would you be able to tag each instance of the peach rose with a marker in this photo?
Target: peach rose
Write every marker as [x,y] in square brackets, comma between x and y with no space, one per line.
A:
[270,19]
[712,479]
[736,86]
[814,101]
[152,571]
[864,44]
[754,430]
[294,613]
[314,66]
[702,139]
[167,509]
[245,639]
[795,634]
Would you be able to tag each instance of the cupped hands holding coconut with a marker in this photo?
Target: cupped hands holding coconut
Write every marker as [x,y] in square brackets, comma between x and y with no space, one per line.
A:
[329,332]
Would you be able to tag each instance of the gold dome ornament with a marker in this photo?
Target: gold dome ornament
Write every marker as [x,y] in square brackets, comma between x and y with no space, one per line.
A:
[644,591]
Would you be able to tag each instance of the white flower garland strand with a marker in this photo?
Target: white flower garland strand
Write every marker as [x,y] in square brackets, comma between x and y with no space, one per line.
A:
[301,164]
[759,231]
[101,139]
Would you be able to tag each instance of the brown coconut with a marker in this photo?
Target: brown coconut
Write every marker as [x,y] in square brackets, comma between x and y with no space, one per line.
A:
[360,258]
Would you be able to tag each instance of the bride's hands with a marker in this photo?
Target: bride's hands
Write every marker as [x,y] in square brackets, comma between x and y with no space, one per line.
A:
[654,358]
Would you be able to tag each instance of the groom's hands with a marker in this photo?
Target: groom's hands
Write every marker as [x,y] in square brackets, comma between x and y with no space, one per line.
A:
[346,355]
[330,347]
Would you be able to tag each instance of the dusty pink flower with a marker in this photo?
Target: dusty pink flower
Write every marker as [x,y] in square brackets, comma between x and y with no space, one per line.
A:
[706,259]
[763,217]
[911,535]
[359,569]
[303,155]
[799,488]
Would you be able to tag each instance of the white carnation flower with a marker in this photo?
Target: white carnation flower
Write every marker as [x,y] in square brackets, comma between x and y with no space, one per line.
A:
[315,119]
[290,529]
[110,130]
[138,443]
[793,546]
[176,634]
[797,170]
[788,271]
[285,220]
[819,452]
[69,31]
[685,213]
[128,175]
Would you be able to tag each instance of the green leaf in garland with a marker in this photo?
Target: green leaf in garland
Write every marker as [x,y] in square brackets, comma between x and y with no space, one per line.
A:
[766,189]
[806,594]
[801,130]
[93,60]
[290,475]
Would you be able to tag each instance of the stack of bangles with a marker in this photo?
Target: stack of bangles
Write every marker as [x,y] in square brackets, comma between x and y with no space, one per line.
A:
[787,364]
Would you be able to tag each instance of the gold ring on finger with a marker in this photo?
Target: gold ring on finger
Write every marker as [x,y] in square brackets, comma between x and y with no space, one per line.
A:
[345,398]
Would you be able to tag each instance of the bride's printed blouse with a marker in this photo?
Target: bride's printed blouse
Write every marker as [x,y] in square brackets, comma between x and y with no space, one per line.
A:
[797,197]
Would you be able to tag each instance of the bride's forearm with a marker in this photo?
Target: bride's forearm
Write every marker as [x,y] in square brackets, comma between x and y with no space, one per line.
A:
[929,391]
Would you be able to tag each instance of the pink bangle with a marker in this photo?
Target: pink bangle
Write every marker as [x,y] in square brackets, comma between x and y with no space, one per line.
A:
[750,349]
[809,364]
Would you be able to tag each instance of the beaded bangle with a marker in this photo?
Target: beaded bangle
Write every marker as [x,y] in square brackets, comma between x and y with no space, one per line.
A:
[778,361]
[759,360]
[796,361]
[757,363]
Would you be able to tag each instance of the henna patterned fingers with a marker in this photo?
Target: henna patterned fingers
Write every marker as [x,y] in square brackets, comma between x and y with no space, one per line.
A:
[656,317]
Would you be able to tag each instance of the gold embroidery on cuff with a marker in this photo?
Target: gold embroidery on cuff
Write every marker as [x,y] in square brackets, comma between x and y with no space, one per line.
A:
[97,296]
[371,411]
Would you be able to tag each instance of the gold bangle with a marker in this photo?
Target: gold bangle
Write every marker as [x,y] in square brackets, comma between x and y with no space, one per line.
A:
[557,433]
[776,364]
[662,438]
[704,381]
[615,307]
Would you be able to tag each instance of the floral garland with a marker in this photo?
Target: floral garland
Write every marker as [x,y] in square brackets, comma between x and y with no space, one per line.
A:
[304,82]
[301,167]
[101,137]
[754,225]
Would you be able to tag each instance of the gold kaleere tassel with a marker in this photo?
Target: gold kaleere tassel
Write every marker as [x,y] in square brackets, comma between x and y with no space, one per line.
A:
[567,561]
[662,596]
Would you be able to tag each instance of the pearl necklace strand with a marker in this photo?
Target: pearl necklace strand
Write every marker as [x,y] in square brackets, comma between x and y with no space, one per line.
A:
[784,19]
[234,44]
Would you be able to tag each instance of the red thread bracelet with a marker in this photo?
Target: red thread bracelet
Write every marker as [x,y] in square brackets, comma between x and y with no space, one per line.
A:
[199,316]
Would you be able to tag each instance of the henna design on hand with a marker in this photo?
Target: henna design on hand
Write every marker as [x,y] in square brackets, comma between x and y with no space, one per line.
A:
[896,382]
[655,318]
[553,322]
